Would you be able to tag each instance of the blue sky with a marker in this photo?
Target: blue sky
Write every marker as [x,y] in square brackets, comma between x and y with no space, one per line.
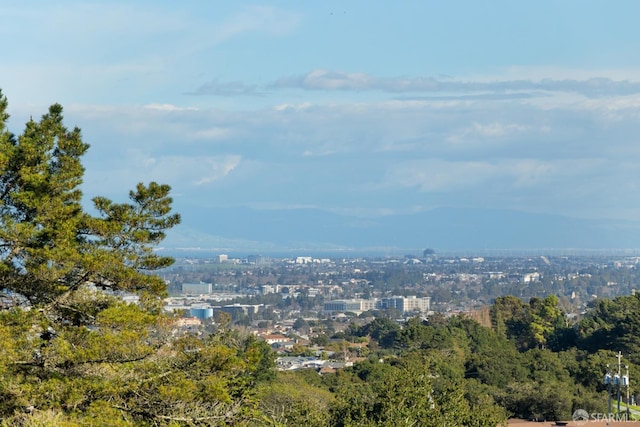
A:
[361,107]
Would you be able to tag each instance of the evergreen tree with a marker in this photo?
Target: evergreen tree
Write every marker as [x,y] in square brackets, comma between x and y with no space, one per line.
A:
[72,352]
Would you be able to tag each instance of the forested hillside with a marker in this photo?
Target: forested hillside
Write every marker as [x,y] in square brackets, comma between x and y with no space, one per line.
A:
[533,363]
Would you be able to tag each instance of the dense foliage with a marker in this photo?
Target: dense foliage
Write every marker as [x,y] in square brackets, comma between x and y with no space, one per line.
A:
[532,363]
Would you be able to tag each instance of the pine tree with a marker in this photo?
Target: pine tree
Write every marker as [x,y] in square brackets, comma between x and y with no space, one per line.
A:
[49,246]
[72,351]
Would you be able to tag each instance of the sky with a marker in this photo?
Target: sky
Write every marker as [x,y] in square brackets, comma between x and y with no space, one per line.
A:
[362,108]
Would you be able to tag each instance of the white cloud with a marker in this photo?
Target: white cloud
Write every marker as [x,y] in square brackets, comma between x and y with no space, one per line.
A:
[492,132]
[214,133]
[168,107]
[184,173]
[218,168]
[495,179]
[184,170]
[590,85]
[317,153]
[322,79]
[217,88]
[293,107]
[497,129]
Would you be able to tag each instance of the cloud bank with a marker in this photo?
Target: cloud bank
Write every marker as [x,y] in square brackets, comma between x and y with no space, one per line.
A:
[575,154]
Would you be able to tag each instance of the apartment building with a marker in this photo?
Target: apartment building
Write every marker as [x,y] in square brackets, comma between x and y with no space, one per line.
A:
[402,304]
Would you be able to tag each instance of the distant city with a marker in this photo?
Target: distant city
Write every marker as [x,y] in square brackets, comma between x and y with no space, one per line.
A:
[302,299]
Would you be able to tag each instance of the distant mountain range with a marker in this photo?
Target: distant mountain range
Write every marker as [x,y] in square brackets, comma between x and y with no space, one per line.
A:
[251,230]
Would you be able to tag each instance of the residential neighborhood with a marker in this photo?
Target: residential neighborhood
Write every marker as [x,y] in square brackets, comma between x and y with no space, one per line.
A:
[303,307]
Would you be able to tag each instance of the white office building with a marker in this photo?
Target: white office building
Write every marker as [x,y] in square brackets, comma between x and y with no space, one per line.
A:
[197,288]
[402,304]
